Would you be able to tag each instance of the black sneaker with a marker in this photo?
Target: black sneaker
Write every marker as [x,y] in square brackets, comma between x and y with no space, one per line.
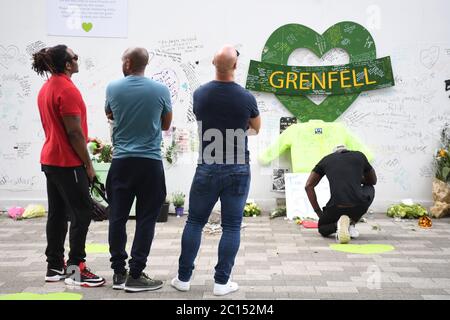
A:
[143,283]
[119,280]
[55,275]
[84,277]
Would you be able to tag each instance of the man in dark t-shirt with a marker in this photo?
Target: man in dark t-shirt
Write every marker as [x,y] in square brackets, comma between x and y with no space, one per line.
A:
[351,179]
[226,113]
[223,110]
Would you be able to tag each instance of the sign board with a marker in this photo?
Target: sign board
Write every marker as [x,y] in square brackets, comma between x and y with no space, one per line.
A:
[297,203]
[87,18]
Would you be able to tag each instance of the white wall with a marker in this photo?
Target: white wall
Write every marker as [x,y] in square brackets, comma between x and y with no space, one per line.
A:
[401,124]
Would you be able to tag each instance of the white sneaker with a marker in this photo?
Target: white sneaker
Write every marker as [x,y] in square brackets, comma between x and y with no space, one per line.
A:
[180,285]
[223,289]
[354,233]
[342,233]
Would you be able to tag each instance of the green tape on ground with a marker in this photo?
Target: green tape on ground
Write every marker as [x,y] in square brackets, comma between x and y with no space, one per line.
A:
[362,248]
[36,296]
[97,248]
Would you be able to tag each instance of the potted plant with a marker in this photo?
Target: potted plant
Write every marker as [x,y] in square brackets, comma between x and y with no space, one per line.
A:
[164,213]
[178,202]
[106,154]
[102,162]
[169,153]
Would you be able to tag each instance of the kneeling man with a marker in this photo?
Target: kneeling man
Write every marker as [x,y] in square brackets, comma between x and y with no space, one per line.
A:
[351,180]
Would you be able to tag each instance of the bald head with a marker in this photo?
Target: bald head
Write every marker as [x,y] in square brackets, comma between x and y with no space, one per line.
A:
[137,59]
[225,60]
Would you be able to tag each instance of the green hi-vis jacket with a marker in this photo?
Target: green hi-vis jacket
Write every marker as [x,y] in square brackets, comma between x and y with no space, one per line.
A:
[310,142]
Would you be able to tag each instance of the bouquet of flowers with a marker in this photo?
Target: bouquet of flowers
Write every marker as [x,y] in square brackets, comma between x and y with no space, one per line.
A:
[441,188]
[442,158]
[251,209]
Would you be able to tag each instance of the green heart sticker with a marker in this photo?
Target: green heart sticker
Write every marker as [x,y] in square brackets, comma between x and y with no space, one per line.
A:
[36,296]
[347,35]
[362,248]
[87,26]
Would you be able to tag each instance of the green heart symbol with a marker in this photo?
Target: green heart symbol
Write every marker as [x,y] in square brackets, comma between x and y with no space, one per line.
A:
[36,296]
[349,36]
[87,26]
[362,248]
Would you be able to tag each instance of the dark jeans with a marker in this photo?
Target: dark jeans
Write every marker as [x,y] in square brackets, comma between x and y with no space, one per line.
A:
[68,197]
[231,184]
[328,221]
[129,178]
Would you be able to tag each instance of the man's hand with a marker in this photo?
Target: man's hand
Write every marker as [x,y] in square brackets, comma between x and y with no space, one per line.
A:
[90,172]
[99,143]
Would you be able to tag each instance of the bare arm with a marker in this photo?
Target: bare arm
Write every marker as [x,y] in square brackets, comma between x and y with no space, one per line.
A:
[166,120]
[370,178]
[312,181]
[255,125]
[77,139]
[108,112]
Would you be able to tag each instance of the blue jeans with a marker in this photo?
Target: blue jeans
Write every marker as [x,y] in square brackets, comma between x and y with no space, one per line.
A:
[231,184]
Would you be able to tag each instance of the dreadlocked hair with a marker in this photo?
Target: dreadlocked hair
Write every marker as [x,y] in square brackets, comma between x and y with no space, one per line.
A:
[52,59]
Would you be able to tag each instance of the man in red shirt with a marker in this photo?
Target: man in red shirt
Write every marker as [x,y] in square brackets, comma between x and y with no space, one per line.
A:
[67,166]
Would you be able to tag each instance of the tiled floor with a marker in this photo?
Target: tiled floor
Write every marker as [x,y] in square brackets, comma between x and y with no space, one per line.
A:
[277,260]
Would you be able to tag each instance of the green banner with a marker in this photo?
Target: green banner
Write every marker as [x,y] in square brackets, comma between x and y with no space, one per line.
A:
[350,78]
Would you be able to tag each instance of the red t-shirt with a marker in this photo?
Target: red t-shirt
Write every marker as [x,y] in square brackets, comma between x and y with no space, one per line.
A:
[58,98]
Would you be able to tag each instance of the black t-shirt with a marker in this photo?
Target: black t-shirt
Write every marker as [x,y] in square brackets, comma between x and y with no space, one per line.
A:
[224,109]
[344,171]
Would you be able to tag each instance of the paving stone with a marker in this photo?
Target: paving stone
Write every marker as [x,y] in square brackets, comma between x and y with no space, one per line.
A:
[435,297]
[277,260]
[294,289]
[337,289]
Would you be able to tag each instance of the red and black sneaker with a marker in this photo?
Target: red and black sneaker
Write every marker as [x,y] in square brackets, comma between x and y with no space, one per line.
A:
[82,276]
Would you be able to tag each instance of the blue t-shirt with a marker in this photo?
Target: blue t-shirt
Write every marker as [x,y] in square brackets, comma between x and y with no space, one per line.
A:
[137,104]
[223,111]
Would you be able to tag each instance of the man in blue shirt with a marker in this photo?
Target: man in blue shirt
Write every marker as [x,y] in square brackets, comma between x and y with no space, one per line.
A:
[226,113]
[140,108]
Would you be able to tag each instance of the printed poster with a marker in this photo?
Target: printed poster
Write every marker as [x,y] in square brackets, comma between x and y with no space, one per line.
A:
[87,18]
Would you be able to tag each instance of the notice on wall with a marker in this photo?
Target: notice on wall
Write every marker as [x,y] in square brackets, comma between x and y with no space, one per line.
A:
[87,18]
[297,203]
[286,122]
[278,184]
